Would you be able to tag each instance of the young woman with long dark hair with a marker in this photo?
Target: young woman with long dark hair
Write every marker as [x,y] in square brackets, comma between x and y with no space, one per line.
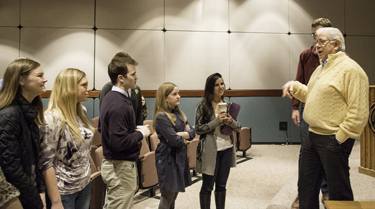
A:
[215,151]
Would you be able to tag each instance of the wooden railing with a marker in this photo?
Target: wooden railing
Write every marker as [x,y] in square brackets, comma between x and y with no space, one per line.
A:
[368,141]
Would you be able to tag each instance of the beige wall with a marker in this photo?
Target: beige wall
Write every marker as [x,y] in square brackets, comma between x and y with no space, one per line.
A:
[257,54]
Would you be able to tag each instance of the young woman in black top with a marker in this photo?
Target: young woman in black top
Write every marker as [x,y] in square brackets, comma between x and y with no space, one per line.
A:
[21,112]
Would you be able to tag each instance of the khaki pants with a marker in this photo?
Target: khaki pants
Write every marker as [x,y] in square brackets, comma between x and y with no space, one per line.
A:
[121,179]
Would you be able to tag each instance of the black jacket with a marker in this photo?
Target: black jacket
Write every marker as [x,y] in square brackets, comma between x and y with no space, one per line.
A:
[19,151]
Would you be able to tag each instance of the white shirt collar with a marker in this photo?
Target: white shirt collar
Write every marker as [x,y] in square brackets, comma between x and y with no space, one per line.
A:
[325,61]
[114,88]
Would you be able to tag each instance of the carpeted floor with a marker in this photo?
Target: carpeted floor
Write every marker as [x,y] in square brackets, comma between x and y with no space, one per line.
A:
[265,179]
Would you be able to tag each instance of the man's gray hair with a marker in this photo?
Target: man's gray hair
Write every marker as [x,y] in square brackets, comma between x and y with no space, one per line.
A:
[333,34]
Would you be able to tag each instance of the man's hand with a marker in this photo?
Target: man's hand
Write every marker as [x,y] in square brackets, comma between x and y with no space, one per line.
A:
[287,88]
[296,117]
[145,130]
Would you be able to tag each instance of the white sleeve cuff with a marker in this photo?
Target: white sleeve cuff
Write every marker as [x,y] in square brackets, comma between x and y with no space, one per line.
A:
[338,139]
[142,133]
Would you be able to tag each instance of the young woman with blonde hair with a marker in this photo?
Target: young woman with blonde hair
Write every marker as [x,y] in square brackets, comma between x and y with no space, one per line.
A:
[67,142]
[21,112]
[173,130]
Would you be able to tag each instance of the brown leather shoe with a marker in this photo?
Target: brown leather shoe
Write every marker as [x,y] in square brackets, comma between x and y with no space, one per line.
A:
[325,197]
[295,204]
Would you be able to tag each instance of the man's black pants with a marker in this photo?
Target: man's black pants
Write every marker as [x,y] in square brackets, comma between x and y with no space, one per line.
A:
[323,153]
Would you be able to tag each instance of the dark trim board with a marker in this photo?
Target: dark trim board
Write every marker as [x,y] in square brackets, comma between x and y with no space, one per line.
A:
[277,143]
[199,93]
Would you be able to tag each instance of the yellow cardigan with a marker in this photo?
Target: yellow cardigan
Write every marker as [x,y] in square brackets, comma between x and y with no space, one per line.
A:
[337,98]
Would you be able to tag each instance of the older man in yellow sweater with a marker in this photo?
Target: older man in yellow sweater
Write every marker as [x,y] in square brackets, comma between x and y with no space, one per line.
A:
[336,109]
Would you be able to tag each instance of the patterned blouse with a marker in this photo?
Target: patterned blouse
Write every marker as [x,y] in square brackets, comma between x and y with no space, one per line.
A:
[7,190]
[69,157]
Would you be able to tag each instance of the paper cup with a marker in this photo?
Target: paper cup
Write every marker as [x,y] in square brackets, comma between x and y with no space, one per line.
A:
[222,107]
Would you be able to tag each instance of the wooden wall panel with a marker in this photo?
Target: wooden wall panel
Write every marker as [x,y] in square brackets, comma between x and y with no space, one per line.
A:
[368,144]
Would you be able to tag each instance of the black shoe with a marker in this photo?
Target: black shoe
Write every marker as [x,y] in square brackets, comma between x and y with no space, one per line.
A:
[205,200]
[220,199]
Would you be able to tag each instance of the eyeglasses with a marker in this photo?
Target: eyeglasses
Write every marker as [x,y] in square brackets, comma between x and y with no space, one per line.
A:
[322,42]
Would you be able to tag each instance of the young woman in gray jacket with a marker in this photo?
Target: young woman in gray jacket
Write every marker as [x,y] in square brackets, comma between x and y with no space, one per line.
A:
[215,152]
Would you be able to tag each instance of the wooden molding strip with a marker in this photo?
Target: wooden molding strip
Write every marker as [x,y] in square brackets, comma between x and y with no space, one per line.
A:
[199,93]
[92,94]
[366,171]
[228,93]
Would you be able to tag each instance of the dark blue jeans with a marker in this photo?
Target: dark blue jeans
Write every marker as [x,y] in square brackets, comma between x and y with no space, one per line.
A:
[304,134]
[323,154]
[220,177]
[78,200]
